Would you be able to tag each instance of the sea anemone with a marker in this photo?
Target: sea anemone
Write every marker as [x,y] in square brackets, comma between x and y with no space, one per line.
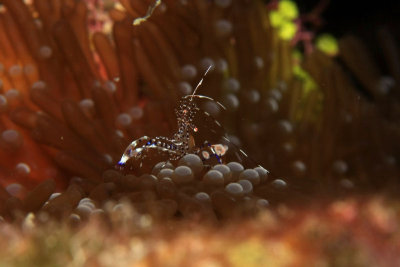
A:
[80,80]
[74,96]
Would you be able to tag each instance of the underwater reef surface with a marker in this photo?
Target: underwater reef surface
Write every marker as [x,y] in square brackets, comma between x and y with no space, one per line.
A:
[348,232]
[80,82]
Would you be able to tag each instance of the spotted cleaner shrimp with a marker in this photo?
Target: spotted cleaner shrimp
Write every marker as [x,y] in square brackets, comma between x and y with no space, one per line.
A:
[182,142]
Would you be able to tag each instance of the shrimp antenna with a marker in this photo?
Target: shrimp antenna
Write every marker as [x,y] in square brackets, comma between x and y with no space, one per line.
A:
[201,81]
[208,98]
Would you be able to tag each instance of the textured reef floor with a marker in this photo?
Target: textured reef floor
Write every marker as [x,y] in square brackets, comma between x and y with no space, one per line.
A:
[349,232]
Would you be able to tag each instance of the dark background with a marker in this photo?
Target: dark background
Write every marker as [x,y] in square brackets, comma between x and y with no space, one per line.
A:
[363,19]
[352,16]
